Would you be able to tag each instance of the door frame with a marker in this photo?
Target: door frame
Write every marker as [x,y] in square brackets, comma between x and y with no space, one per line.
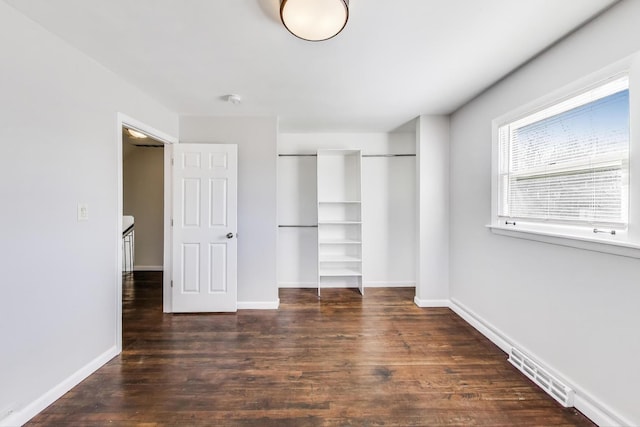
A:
[123,120]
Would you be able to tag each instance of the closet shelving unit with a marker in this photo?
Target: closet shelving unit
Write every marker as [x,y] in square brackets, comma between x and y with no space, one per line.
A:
[339,219]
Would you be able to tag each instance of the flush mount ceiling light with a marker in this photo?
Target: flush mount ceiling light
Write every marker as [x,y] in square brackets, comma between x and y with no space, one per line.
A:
[136,134]
[314,20]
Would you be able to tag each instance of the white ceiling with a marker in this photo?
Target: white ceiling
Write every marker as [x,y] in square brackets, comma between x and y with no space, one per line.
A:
[395,60]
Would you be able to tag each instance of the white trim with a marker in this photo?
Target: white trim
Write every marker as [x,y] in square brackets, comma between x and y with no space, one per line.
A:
[609,246]
[259,305]
[300,285]
[591,407]
[494,335]
[376,284]
[122,120]
[167,295]
[625,243]
[32,409]
[423,303]
[597,413]
[390,284]
[579,86]
[601,88]
[339,285]
[130,122]
[118,232]
[147,268]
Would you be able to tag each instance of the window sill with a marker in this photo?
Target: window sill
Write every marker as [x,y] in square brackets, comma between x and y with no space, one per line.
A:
[605,245]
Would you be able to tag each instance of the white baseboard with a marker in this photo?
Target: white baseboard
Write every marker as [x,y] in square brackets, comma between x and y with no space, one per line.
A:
[259,305]
[147,268]
[495,336]
[306,285]
[392,284]
[314,285]
[594,411]
[339,286]
[303,285]
[592,408]
[431,302]
[32,409]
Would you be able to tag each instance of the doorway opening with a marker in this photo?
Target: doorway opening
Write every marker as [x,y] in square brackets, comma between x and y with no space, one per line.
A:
[143,202]
[144,196]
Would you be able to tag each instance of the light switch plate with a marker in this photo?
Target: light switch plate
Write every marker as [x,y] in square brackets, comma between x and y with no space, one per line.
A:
[83,212]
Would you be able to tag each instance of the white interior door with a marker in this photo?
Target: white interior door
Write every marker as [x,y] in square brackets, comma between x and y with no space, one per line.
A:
[205,200]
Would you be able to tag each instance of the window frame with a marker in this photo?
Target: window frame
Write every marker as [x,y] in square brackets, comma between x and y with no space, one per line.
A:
[625,242]
[613,86]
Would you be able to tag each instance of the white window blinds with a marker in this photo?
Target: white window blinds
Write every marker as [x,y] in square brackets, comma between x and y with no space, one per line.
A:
[569,163]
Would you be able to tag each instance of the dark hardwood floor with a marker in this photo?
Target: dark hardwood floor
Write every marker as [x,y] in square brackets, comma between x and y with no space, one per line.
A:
[343,360]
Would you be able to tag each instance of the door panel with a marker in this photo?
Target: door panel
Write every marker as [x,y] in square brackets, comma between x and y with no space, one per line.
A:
[217,268]
[218,189]
[190,267]
[205,227]
[191,202]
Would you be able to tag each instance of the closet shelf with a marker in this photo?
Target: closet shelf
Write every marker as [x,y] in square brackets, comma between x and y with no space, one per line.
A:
[339,218]
[339,242]
[340,272]
[339,258]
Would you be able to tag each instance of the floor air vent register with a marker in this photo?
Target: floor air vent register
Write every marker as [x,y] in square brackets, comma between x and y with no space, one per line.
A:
[537,374]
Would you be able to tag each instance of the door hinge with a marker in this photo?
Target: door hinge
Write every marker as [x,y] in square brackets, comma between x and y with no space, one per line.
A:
[172,222]
[171,161]
[172,283]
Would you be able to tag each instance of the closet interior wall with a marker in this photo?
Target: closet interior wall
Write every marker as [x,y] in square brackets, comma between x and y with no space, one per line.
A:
[388,207]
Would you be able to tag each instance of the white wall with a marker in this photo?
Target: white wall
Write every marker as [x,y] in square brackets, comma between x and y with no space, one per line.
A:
[388,207]
[432,134]
[575,311]
[143,188]
[58,130]
[257,228]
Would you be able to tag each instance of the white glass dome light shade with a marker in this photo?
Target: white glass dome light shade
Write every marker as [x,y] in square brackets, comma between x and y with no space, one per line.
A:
[314,20]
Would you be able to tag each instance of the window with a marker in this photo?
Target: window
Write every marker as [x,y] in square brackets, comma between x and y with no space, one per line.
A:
[565,168]
[568,163]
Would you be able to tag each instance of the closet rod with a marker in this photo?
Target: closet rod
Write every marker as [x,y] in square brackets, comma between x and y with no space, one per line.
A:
[298,226]
[297,155]
[364,155]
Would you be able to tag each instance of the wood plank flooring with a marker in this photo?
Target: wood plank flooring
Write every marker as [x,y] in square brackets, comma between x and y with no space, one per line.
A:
[342,360]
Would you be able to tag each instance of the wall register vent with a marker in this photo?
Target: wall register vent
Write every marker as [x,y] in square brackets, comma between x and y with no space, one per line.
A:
[556,389]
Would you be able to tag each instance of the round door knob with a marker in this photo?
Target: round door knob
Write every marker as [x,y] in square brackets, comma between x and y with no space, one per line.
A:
[229,235]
